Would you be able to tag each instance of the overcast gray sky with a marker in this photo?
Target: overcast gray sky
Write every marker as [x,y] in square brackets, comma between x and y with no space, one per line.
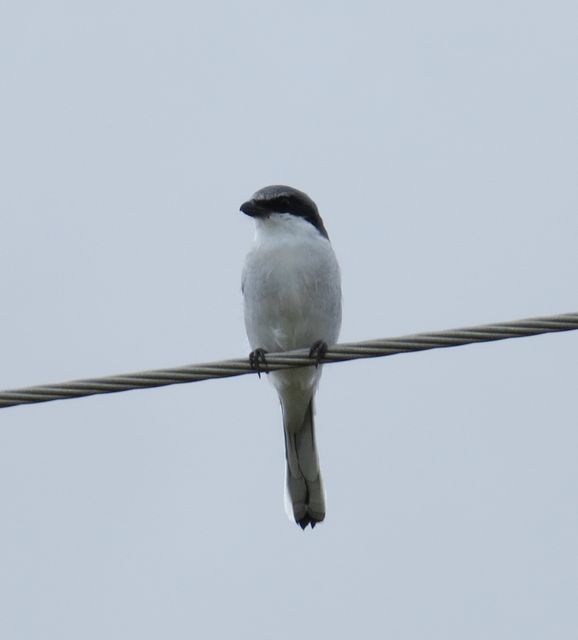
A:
[440,141]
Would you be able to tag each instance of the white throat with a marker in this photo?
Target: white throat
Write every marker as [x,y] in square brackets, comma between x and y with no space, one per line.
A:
[285,227]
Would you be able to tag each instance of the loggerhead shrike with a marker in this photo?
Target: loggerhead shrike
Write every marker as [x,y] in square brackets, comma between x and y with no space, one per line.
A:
[292,300]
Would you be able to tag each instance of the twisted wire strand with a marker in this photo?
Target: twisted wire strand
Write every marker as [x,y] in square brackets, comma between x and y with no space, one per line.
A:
[290,359]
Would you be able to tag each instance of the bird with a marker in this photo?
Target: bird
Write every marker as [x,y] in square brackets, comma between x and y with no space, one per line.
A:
[291,288]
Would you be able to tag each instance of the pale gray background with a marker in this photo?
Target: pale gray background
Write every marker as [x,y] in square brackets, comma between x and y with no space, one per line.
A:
[440,141]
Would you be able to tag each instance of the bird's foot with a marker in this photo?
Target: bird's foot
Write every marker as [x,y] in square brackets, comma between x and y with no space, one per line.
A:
[258,361]
[318,351]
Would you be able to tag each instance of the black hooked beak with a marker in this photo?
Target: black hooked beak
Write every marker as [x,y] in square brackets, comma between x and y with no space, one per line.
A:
[254,209]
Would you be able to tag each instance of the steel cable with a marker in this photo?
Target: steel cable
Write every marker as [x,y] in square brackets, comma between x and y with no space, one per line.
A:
[290,359]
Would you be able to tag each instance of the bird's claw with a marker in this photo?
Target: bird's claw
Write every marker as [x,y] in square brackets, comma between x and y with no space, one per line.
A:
[258,361]
[318,351]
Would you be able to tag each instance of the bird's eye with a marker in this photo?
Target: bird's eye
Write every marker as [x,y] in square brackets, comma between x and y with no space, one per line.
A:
[283,203]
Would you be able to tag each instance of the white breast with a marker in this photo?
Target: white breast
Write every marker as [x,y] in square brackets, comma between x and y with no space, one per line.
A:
[291,286]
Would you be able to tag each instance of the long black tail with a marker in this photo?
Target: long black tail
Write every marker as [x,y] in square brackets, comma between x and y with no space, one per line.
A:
[304,485]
